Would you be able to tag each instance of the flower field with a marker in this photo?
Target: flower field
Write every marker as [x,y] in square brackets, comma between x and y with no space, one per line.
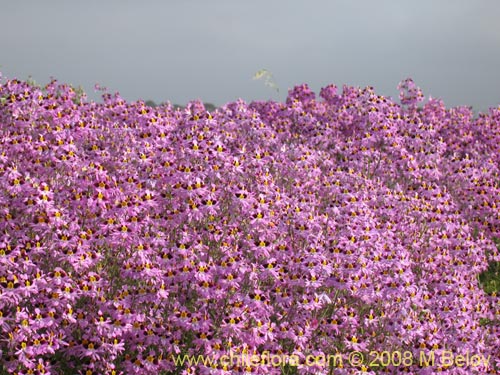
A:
[133,236]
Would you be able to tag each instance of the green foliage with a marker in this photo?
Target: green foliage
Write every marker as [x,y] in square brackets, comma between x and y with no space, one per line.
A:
[210,107]
[80,94]
[30,81]
[490,279]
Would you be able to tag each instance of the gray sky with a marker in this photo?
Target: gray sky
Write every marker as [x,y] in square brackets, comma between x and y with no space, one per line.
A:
[209,50]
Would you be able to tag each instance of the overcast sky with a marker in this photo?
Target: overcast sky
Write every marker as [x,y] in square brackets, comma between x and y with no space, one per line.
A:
[180,50]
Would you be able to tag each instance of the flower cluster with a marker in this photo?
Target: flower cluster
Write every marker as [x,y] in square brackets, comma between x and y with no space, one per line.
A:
[347,222]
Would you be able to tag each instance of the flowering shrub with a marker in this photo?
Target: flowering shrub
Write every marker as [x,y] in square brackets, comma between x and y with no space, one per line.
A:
[346,223]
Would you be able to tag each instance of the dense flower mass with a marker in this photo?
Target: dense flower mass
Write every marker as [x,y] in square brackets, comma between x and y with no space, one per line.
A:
[349,222]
